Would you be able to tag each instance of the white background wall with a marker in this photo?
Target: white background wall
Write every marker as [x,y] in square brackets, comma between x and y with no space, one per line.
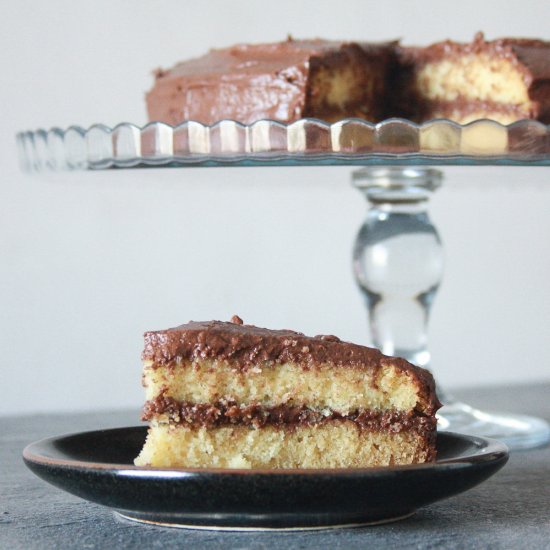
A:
[88,261]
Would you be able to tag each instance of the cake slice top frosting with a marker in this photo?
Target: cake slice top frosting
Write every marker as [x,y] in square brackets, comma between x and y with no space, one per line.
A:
[246,346]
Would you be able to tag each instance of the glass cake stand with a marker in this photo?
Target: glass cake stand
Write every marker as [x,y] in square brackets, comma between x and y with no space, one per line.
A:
[398,255]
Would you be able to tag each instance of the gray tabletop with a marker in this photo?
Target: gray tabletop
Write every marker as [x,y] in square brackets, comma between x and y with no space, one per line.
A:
[510,510]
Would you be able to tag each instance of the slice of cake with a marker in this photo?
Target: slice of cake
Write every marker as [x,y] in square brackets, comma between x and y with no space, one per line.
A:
[283,81]
[229,395]
[504,80]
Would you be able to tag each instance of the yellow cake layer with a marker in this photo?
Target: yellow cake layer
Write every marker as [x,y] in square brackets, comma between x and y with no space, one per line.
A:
[336,87]
[324,387]
[335,444]
[473,76]
[344,91]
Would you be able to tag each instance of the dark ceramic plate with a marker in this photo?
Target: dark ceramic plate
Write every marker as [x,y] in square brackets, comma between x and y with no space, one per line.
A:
[98,466]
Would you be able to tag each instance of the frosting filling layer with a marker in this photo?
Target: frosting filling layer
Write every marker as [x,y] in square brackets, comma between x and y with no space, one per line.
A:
[466,106]
[165,409]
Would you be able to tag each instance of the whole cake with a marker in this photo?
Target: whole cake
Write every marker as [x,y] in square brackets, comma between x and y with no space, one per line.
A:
[231,395]
[505,80]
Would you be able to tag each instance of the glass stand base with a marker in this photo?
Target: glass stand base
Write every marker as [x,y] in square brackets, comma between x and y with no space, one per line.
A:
[516,431]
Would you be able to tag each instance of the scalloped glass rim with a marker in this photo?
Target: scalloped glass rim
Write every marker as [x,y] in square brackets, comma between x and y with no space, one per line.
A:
[307,142]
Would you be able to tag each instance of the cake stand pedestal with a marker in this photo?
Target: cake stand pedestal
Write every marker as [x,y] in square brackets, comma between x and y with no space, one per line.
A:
[398,265]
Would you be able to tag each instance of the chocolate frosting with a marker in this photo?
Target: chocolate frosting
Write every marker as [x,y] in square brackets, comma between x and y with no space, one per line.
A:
[225,413]
[247,346]
[466,106]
